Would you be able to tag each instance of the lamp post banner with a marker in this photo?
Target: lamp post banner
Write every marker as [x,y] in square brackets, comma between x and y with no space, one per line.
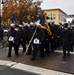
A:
[14,19]
[38,10]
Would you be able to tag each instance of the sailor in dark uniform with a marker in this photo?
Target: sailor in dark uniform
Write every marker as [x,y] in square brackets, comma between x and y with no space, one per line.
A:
[66,40]
[38,43]
[31,30]
[11,39]
[20,39]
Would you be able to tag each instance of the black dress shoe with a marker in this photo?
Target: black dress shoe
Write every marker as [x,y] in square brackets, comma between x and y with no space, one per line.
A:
[68,54]
[28,53]
[32,58]
[17,54]
[9,56]
[23,51]
[64,57]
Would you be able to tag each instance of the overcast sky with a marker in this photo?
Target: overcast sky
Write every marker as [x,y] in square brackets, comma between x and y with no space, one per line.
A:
[66,5]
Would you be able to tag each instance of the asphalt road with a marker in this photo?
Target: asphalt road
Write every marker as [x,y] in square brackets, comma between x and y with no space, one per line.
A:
[5,70]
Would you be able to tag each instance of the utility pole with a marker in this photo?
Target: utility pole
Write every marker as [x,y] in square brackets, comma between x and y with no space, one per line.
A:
[1,5]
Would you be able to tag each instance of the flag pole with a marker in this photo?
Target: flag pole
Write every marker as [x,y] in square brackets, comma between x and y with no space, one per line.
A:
[30,42]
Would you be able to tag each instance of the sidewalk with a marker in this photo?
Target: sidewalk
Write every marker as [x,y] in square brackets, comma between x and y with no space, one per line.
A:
[52,64]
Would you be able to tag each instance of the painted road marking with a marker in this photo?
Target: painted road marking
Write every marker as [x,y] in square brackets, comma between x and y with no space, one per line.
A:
[29,68]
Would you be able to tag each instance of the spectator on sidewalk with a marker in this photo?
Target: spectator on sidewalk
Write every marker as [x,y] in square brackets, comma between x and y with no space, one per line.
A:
[1,36]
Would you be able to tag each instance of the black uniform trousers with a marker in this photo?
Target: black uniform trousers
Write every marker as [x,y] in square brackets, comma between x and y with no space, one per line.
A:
[11,44]
[35,50]
[46,46]
[37,47]
[18,45]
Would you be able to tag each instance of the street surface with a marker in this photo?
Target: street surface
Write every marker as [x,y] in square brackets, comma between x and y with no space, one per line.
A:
[52,64]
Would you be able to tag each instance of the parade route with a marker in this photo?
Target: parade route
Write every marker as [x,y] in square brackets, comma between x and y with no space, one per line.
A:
[52,64]
[36,37]
[10,68]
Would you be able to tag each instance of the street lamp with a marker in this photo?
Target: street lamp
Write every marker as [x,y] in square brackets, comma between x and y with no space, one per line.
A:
[1,4]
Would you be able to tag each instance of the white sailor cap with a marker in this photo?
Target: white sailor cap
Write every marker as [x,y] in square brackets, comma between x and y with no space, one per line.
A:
[23,23]
[31,23]
[52,20]
[48,20]
[12,25]
[26,23]
[20,26]
[37,24]
[38,20]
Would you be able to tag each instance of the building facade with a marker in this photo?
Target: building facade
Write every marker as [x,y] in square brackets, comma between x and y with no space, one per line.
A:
[57,15]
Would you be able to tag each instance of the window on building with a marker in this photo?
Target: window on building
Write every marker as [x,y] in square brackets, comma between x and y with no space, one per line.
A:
[49,16]
[54,16]
[61,16]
